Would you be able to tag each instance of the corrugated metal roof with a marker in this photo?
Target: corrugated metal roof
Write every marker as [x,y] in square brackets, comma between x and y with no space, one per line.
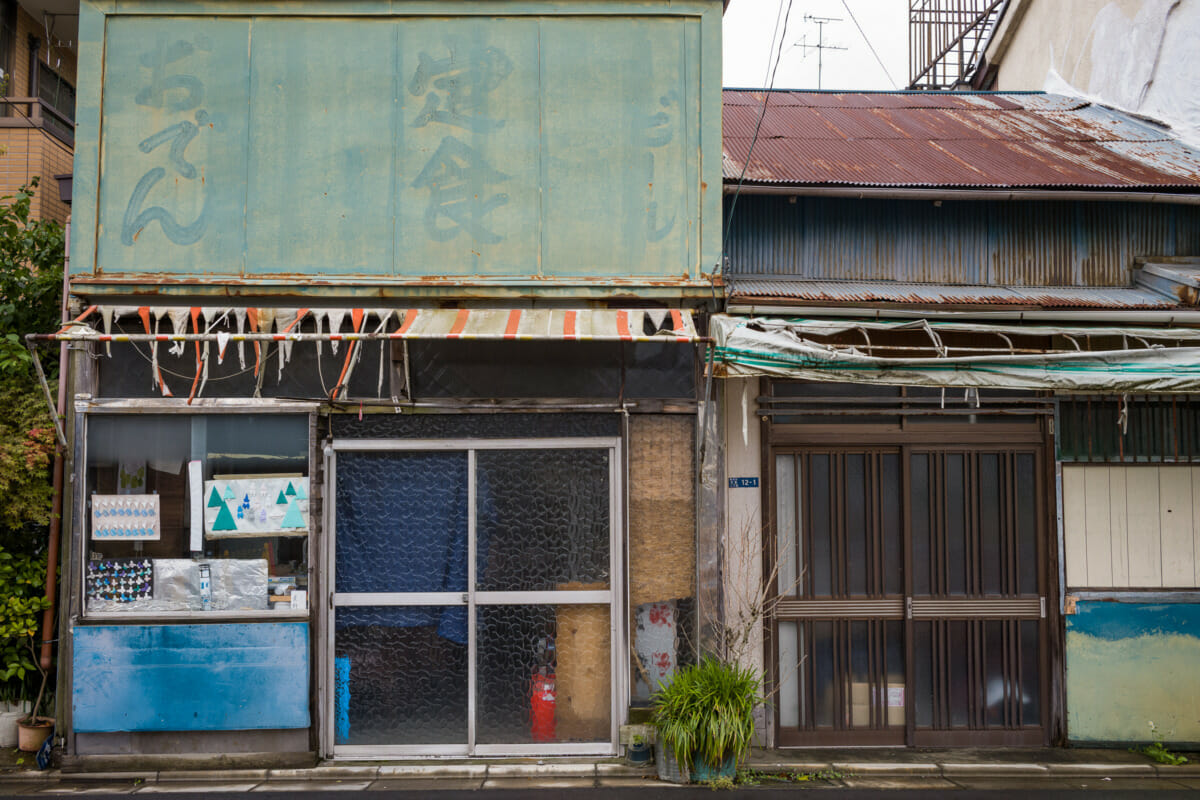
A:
[793,291]
[949,139]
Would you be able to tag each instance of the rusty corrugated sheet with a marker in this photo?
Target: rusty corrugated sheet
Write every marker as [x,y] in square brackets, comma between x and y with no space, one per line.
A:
[793,291]
[951,139]
[1048,243]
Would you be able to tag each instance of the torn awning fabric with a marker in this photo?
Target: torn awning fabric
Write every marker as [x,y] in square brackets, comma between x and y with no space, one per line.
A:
[182,328]
[1128,360]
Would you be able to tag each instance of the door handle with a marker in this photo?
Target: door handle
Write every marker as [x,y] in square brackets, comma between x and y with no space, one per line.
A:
[908,608]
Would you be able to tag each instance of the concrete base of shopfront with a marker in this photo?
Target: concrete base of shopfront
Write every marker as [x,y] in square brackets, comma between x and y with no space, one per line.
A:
[882,769]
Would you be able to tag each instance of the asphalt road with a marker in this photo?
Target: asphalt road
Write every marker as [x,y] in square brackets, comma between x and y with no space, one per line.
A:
[659,793]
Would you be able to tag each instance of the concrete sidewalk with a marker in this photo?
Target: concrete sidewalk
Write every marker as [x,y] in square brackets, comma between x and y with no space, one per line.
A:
[883,768]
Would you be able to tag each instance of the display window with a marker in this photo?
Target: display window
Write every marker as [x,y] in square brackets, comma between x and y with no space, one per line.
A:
[196,513]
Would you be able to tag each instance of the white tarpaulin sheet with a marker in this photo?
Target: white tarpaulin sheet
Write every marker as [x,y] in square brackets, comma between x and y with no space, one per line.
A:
[1150,359]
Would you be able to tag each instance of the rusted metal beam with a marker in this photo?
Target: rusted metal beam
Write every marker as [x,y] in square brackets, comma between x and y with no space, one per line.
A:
[50,402]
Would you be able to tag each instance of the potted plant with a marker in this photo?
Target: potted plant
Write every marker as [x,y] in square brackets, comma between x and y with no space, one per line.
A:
[22,578]
[705,720]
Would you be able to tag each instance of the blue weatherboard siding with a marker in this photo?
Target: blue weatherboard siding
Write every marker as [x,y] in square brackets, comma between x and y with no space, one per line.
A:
[1130,664]
[191,677]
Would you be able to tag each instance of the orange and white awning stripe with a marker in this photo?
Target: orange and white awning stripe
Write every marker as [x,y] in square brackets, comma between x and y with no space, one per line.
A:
[616,325]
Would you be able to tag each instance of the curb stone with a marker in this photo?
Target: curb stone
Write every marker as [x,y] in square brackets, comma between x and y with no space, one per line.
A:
[213,775]
[321,772]
[868,768]
[433,771]
[540,770]
[1089,770]
[994,770]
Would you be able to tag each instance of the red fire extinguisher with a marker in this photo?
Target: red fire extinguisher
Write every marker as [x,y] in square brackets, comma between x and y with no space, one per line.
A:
[542,700]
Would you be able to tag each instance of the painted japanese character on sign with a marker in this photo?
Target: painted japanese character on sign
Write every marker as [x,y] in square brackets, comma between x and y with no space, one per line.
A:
[171,89]
[180,136]
[659,131]
[456,87]
[457,177]
[186,91]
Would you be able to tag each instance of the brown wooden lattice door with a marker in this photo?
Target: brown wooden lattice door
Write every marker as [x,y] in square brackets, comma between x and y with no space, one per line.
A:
[912,595]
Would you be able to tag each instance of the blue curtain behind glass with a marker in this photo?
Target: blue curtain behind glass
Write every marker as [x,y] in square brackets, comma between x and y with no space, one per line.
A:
[402,527]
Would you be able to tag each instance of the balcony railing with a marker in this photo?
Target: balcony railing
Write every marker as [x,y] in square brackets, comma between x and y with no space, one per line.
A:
[34,112]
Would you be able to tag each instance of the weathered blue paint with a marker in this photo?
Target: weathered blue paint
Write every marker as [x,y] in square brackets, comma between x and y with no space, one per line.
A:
[1130,664]
[1127,621]
[976,242]
[395,142]
[190,677]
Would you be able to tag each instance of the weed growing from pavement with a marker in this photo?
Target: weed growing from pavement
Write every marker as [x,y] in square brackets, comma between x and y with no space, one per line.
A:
[756,777]
[1157,751]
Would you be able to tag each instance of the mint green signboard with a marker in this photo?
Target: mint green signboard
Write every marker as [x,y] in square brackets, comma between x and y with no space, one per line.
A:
[501,148]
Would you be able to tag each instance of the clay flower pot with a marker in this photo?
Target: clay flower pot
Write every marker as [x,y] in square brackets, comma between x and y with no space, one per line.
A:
[32,732]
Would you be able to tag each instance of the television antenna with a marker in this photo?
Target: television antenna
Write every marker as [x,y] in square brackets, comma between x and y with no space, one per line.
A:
[820,46]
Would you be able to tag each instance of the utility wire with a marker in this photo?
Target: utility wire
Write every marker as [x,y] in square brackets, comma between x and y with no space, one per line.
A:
[770,81]
[869,45]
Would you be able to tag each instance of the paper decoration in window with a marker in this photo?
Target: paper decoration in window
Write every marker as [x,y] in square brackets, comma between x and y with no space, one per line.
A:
[120,580]
[126,517]
[131,478]
[256,507]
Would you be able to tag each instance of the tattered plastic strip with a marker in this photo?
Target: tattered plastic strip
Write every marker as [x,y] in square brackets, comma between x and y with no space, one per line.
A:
[336,316]
[357,317]
[252,317]
[156,377]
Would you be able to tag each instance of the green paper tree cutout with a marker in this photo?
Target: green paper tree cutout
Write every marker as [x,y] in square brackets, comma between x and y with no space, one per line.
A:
[293,518]
[291,491]
[229,493]
[281,500]
[224,521]
[300,495]
[214,499]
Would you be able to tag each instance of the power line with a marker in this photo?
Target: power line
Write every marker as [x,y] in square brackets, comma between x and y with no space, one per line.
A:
[870,46]
[757,127]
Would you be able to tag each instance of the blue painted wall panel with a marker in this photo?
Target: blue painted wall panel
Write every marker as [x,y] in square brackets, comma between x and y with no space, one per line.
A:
[191,677]
[1130,664]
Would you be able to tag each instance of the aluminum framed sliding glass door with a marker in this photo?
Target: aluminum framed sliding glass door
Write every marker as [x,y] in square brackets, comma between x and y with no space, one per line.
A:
[476,596]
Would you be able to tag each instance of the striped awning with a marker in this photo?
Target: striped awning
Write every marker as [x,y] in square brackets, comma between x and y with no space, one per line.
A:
[205,323]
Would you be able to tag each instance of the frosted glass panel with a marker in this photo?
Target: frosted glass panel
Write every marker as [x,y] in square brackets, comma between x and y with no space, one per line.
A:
[396,682]
[402,522]
[543,674]
[789,675]
[543,520]
[787,513]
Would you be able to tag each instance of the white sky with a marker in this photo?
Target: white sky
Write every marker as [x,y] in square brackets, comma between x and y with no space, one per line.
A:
[748,26]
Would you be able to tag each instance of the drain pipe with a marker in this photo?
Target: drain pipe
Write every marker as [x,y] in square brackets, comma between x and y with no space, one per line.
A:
[47,657]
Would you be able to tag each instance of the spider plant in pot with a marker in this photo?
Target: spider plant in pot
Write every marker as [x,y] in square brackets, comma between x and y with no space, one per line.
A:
[705,717]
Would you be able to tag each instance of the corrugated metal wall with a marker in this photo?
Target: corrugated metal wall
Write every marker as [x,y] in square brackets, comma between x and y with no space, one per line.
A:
[1001,243]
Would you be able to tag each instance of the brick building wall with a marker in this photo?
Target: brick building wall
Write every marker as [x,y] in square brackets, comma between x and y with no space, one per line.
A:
[29,151]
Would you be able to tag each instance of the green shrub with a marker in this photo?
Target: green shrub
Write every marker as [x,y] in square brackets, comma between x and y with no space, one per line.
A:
[707,712]
[22,584]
